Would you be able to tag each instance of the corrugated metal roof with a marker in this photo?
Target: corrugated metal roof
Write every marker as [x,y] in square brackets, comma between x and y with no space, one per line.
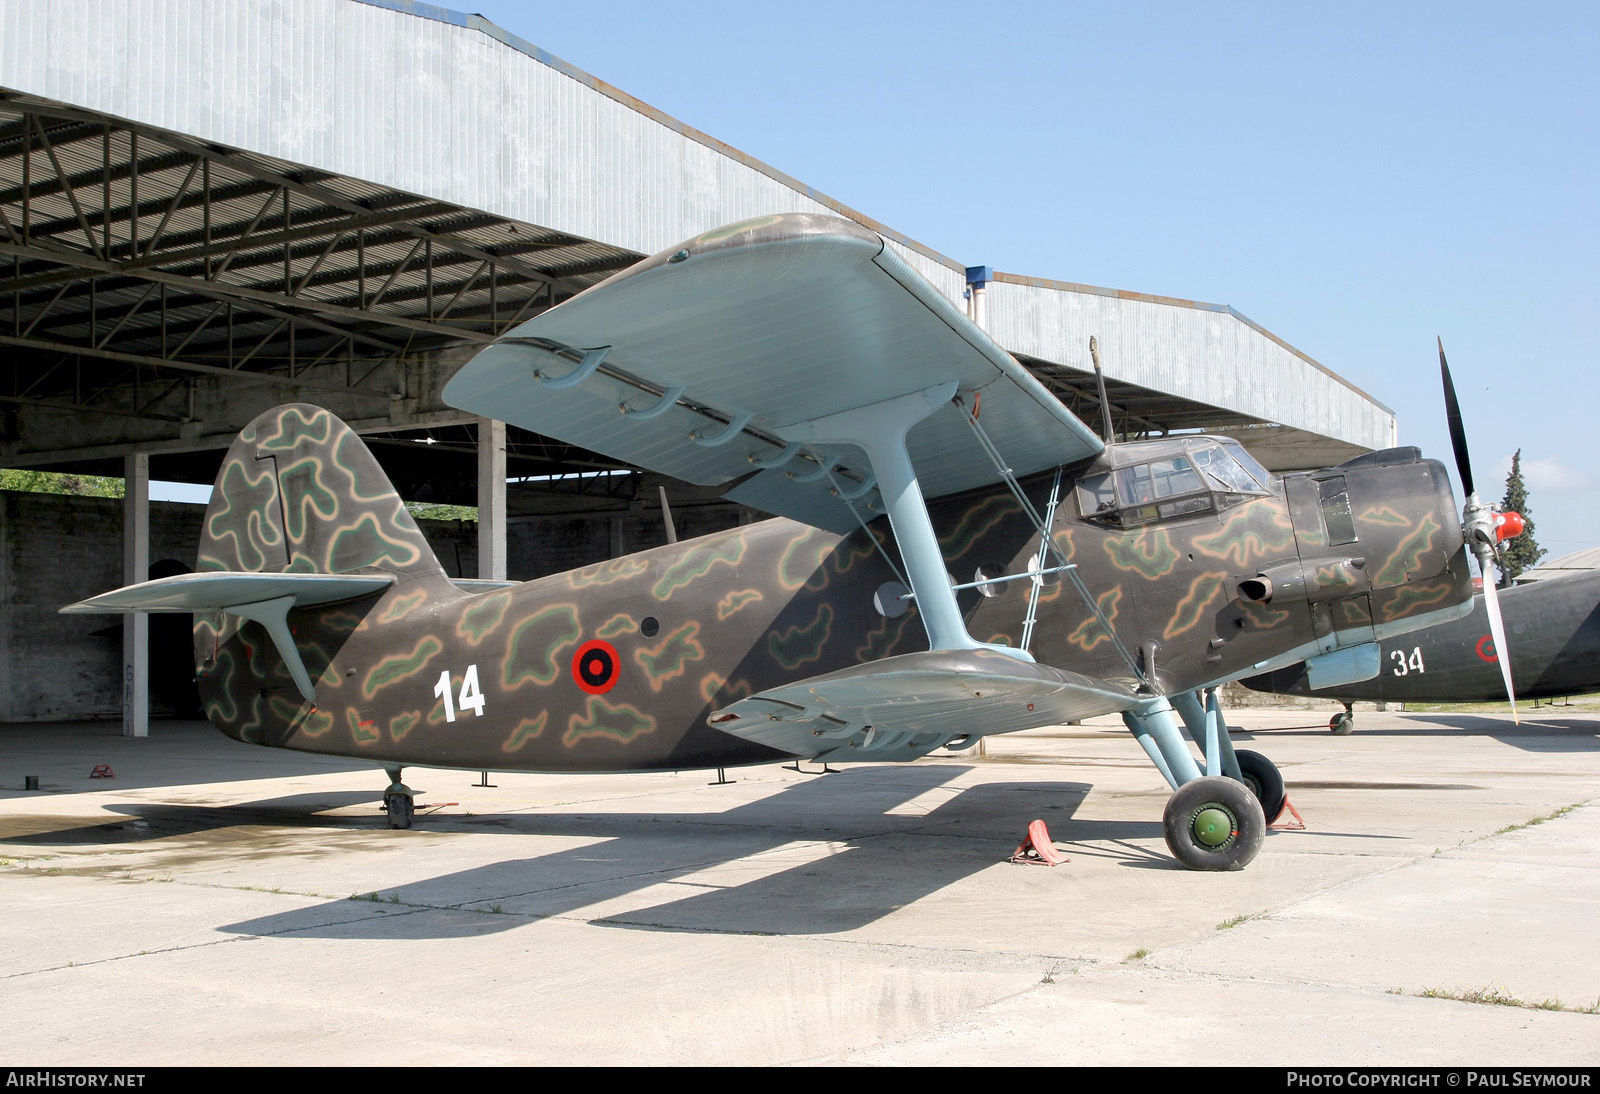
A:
[1575,563]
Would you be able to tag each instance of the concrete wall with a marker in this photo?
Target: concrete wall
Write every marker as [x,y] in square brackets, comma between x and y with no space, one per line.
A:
[56,549]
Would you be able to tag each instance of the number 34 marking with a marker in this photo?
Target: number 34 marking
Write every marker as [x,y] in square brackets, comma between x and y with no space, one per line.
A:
[1403,665]
[470,699]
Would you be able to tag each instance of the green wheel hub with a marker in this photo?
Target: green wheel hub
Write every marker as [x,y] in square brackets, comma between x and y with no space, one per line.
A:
[1212,825]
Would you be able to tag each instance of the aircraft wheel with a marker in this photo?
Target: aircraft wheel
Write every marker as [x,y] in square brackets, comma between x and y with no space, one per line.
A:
[1214,823]
[1261,775]
[400,808]
[1342,723]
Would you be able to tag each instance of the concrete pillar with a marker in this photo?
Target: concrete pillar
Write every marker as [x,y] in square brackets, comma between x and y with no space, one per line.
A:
[136,568]
[491,499]
[7,608]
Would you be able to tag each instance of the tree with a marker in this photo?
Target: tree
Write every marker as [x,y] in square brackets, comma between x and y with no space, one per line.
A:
[1524,552]
[54,482]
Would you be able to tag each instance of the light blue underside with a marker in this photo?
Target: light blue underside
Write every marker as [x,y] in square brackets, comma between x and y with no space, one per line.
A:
[784,331]
[217,591]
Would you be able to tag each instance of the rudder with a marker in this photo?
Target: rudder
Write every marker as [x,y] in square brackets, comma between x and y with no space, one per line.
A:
[299,491]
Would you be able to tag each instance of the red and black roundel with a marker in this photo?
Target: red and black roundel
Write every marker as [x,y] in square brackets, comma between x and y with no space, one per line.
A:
[594,666]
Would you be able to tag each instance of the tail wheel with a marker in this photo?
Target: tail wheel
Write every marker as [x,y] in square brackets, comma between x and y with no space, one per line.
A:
[1342,723]
[1261,775]
[1214,823]
[400,809]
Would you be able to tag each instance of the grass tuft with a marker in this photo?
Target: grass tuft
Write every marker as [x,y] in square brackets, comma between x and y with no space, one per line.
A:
[1495,996]
[1531,821]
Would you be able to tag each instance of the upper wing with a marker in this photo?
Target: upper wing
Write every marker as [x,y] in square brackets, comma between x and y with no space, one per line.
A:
[688,362]
[905,706]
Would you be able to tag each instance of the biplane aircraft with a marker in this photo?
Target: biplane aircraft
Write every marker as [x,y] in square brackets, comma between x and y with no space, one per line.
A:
[954,554]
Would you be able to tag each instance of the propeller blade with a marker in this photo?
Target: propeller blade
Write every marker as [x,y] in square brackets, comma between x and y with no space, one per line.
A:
[1497,630]
[1458,432]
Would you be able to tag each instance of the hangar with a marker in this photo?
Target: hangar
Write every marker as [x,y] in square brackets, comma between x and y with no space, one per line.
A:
[207,210]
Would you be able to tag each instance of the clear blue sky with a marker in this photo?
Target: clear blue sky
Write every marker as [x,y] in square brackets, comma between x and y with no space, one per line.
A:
[1356,177]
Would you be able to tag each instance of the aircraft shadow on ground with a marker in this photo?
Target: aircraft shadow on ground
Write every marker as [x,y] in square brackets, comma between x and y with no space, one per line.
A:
[1537,733]
[874,861]
[150,821]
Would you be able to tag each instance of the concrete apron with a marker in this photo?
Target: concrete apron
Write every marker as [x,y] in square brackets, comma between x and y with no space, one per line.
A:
[198,907]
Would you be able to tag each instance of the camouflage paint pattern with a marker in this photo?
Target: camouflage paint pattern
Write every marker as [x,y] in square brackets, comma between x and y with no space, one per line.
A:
[1553,628]
[618,666]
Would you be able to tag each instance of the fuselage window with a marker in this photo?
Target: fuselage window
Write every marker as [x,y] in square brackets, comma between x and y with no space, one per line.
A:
[1336,510]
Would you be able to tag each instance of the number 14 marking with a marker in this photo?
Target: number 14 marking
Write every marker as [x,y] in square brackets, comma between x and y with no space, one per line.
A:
[471,698]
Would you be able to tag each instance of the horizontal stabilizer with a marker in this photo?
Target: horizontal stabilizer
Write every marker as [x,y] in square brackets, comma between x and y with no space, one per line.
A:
[906,706]
[219,591]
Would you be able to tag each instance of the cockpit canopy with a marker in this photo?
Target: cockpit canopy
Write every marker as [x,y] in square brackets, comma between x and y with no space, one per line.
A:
[1151,481]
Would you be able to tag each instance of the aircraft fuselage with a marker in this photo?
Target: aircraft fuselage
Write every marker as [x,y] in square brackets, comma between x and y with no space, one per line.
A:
[617,666]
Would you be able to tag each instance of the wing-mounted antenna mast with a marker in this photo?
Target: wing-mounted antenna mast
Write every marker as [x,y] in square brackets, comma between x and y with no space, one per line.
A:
[1100,382]
[880,430]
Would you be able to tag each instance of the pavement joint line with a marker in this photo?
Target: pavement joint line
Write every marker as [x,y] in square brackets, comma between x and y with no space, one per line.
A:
[878,945]
[130,956]
[1155,968]
[405,908]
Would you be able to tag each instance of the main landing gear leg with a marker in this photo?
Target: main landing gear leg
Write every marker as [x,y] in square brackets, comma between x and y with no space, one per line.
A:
[398,800]
[1211,822]
[1206,725]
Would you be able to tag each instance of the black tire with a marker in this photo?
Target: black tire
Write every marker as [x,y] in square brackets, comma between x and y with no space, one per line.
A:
[1342,723]
[1196,809]
[400,809]
[1261,775]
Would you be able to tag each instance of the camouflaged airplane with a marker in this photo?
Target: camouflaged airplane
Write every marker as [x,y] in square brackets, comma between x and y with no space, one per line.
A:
[1028,572]
[1556,653]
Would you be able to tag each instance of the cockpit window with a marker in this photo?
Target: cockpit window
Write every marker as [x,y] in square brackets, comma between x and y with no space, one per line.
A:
[1148,482]
[1159,490]
[1219,463]
[1097,494]
[1250,464]
[1198,478]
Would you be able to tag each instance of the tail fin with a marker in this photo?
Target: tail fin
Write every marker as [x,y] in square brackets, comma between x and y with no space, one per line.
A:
[299,492]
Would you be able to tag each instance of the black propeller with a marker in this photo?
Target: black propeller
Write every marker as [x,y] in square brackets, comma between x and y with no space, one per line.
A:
[1478,526]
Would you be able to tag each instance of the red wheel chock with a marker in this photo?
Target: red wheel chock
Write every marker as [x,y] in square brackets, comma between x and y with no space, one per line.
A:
[1281,825]
[101,771]
[1036,848]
